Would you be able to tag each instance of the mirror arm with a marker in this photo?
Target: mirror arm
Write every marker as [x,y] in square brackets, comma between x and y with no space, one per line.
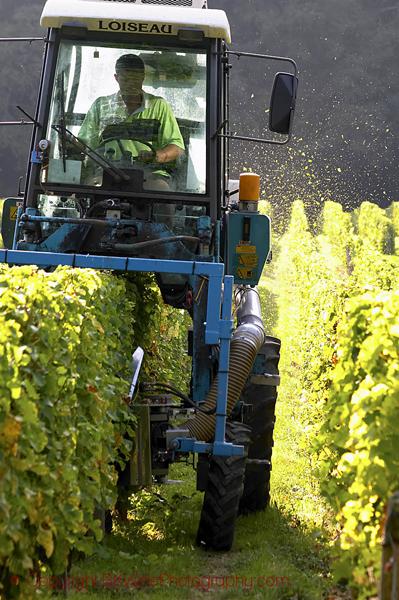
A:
[31,121]
[24,39]
[256,140]
[265,57]
[238,54]
[219,129]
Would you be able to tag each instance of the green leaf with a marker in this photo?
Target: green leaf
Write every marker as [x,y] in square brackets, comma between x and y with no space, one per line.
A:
[45,539]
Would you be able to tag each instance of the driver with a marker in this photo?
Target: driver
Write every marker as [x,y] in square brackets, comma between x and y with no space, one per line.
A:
[131,102]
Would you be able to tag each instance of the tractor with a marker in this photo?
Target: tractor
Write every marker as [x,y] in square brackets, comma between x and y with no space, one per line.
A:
[129,171]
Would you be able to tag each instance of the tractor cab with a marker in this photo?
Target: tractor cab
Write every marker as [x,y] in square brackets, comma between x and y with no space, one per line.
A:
[122,150]
[130,145]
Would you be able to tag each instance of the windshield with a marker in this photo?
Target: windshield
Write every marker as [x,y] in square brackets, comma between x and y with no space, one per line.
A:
[128,118]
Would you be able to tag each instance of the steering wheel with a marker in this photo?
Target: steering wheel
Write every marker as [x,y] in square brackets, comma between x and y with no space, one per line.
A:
[142,131]
[101,149]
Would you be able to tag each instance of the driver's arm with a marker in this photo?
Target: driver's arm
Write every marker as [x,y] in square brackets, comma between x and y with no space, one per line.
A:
[168,154]
[170,142]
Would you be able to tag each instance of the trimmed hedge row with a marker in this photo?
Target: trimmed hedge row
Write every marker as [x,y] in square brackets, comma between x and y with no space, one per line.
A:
[66,340]
[322,277]
[63,368]
[360,433]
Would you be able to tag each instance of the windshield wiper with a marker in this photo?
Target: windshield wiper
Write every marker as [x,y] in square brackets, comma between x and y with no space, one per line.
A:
[68,136]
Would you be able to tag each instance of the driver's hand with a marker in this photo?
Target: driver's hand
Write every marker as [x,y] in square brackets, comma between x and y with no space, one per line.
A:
[146,156]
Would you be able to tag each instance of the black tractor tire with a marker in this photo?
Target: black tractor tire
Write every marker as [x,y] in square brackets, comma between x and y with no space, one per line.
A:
[224,486]
[260,401]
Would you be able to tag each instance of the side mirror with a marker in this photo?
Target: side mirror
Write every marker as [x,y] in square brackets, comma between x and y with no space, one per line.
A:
[282,103]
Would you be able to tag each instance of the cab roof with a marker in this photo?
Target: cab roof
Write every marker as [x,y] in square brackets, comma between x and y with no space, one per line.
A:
[97,15]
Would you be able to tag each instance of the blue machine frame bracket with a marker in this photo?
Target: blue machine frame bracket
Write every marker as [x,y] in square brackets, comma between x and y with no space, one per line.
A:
[213,271]
[218,449]
[218,325]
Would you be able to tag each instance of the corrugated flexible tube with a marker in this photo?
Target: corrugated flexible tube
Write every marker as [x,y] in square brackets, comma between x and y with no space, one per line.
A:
[245,344]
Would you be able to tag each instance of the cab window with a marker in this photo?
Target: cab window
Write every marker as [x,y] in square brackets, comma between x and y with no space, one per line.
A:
[132,117]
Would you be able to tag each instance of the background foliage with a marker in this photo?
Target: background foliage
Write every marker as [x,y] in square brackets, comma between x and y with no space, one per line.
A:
[339,315]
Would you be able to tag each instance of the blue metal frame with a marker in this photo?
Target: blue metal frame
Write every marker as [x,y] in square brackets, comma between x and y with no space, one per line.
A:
[16,230]
[213,271]
[219,447]
[218,326]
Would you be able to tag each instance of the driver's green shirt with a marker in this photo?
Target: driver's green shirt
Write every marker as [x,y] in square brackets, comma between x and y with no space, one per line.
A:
[111,110]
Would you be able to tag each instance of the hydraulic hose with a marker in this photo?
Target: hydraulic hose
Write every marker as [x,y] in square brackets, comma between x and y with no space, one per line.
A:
[246,342]
[155,242]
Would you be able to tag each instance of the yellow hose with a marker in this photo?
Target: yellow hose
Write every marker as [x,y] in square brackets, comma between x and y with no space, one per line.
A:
[245,344]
